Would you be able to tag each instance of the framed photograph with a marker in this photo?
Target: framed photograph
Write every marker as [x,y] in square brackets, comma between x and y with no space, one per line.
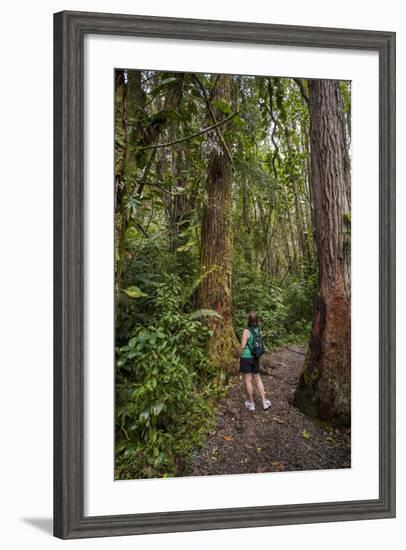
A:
[224,274]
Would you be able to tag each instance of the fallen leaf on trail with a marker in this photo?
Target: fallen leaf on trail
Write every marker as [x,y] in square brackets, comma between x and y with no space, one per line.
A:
[259,449]
[228,438]
[279,420]
[306,435]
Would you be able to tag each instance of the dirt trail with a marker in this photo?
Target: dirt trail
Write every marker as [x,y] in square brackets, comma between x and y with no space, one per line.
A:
[278,439]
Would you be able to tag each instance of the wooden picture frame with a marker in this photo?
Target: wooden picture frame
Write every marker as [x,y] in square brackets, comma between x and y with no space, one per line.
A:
[69,31]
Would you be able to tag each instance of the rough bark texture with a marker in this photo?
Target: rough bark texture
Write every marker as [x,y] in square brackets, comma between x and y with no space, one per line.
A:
[120,157]
[324,388]
[217,240]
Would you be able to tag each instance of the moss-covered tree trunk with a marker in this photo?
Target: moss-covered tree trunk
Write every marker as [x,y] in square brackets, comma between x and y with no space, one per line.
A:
[129,105]
[325,385]
[132,134]
[217,236]
[120,157]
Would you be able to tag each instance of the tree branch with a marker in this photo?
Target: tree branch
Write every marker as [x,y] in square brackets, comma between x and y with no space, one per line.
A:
[299,82]
[147,170]
[199,133]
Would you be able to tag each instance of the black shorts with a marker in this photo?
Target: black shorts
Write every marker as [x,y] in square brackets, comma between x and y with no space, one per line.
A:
[249,365]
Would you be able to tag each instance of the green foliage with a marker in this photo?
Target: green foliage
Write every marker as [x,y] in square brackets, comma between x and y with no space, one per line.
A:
[222,105]
[146,269]
[165,385]
[134,292]
[285,309]
[345,89]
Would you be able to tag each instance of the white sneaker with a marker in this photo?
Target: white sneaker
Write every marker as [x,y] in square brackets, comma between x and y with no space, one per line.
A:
[266,404]
[250,405]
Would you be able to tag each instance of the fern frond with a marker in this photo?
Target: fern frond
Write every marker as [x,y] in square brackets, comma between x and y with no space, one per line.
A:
[195,283]
[205,313]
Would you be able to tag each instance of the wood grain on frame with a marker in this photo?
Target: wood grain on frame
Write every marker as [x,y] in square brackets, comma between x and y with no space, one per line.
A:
[69,31]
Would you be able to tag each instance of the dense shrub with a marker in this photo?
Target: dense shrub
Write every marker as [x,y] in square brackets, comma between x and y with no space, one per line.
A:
[285,309]
[165,387]
[146,270]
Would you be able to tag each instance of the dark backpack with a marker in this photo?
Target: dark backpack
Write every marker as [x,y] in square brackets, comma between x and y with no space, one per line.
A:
[257,348]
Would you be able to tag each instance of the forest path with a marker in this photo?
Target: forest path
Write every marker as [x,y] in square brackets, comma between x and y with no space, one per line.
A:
[278,439]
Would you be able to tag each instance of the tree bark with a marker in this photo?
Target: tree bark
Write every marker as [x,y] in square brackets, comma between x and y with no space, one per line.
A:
[217,239]
[325,385]
[300,226]
[121,146]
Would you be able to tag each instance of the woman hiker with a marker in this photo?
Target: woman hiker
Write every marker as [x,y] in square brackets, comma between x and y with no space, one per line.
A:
[249,364]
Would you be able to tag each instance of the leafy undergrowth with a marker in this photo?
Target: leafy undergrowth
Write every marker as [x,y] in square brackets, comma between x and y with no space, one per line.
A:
[285,309]
[166,390]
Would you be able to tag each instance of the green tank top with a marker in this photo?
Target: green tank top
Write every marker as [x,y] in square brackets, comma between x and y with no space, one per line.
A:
[246,352]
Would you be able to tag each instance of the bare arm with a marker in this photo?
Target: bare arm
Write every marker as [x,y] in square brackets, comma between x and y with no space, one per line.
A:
[244,339]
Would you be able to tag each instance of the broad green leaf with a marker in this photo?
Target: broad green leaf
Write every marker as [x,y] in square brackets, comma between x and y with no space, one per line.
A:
[157,408]
[144,416]
[134,292]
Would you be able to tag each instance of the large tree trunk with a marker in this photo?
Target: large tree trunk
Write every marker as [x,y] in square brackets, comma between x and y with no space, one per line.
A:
[129,112]
[325,385]
[217,238]
[121,148]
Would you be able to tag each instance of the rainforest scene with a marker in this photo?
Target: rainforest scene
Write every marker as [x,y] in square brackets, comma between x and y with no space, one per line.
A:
[232,202]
